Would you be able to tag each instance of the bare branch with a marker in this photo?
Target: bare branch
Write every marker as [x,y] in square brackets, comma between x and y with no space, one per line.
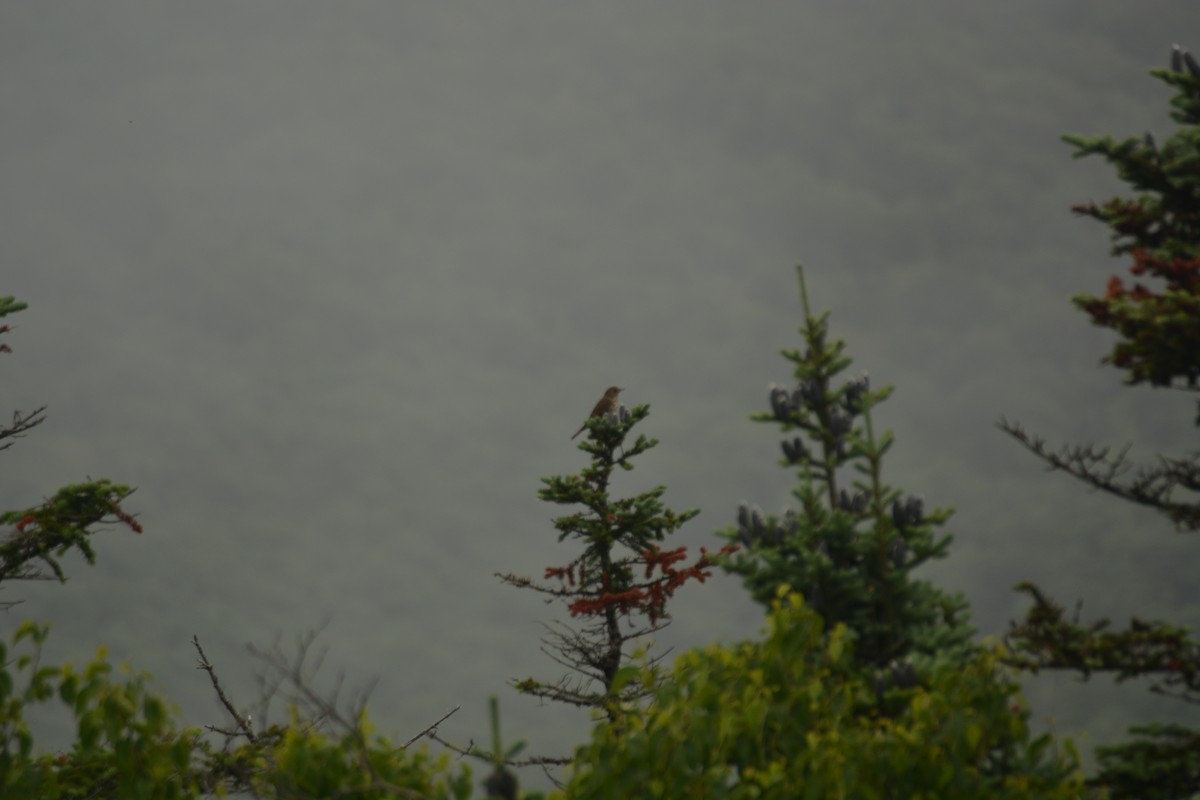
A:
[1118,476]
[429,730]
[482,755]
[297,672]
[20,424]
[242,723]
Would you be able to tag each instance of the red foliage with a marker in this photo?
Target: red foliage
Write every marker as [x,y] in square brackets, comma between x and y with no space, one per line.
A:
[125,517]
[623,602]
[1160,329]
[561,573]
[1181,274]
[649,598]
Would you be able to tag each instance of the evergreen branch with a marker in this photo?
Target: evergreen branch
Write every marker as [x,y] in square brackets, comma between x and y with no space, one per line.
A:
[64,522]
[1046,639]
[1161,761]
[1151,487]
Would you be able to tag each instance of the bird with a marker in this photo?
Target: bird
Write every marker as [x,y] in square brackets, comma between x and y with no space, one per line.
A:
[605,406]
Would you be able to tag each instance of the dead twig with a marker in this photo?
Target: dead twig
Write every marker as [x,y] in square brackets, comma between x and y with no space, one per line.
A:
[429,730]
[242,723]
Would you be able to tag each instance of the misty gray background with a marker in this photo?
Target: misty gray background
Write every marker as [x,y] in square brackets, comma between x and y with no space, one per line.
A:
[332,285]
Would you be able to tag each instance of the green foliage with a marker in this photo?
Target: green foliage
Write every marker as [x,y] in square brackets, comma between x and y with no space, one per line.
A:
[638,523]
[127,743]
[1161,762]
[1048,639]
[42,535]
[1159,227]
[300,762]
[795,716]
[10,305]
[853,544]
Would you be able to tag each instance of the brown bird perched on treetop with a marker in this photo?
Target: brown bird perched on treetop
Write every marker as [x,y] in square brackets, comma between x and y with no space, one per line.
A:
[606,406]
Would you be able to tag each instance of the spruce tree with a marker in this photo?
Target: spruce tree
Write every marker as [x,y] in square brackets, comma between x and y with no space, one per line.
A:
[1157,320]
[853,542]
[619,583]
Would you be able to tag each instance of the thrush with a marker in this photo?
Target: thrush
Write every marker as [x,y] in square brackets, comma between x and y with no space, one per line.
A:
[607,405]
